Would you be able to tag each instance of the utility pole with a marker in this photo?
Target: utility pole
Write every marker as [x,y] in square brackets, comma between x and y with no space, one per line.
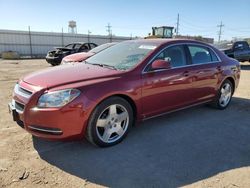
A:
[109,31]
[30,43]
[220,30]
[177,24]
[62,38]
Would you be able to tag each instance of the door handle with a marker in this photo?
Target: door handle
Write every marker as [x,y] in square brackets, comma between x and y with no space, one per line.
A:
[201,72]
[219,68]
[234,69]
[186,73]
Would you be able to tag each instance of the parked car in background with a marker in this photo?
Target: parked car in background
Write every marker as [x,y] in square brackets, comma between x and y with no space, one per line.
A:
[79,57]
[131,81]
[239,50]
[55,57]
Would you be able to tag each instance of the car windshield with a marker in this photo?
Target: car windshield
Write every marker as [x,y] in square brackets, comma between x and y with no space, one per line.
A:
[101,47]
[69,46]
[123,56]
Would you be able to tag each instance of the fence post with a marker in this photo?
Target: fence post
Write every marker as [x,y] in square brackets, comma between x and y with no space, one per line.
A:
[111,37]
[89,36]
[62,38]
[31,53]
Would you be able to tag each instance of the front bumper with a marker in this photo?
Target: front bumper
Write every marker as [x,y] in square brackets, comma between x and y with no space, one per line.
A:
[54,60]
[51,123]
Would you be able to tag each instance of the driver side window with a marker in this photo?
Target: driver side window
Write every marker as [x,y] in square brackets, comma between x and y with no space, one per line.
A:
[83,48]
[175,55]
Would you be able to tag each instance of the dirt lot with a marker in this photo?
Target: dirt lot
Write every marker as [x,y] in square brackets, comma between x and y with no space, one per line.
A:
[198,147]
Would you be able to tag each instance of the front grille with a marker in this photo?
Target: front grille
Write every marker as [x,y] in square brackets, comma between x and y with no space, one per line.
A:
[22,91]
[19,106]
[25,91]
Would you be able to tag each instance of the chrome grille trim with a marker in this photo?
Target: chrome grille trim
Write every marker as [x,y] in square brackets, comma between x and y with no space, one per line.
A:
[19,107]
[22,91]
[46,130]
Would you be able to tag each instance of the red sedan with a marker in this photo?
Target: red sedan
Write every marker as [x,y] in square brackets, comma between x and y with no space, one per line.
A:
[128,82]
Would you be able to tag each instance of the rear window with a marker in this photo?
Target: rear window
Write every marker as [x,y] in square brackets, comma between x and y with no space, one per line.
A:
[201,55]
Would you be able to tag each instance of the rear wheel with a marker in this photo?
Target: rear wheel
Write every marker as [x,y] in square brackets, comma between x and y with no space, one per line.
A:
[110,122]
[224,95]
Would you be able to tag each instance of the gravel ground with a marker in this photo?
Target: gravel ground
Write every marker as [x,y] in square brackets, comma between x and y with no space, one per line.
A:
[197,147]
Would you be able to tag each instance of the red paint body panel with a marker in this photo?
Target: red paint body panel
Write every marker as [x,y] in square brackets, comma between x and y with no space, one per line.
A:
[152,93]
[66,74]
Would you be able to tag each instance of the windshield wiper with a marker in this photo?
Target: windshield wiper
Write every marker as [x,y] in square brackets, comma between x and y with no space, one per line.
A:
[102,65]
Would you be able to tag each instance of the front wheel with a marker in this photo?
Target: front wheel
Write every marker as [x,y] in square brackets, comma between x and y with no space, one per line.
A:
[224,95]
[110,122]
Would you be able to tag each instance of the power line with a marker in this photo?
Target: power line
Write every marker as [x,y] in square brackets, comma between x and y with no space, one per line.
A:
[195,24]
[220,30]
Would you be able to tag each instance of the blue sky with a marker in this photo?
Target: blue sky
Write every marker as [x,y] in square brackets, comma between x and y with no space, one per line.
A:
[197,17]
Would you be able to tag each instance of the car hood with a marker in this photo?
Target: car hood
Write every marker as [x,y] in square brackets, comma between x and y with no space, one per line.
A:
[67,74]
[77,57]
[63,48]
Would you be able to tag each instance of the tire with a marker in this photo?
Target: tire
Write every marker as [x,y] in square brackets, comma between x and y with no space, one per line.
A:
[223,100]
[53,64]
[110,122]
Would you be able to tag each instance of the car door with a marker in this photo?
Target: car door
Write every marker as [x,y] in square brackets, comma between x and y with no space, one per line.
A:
[165,90]
[206,68]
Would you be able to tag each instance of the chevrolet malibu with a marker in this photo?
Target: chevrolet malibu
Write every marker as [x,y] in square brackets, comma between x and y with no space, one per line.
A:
[129,82]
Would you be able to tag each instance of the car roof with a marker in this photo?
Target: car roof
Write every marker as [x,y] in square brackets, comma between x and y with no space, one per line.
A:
[81,43]
[161,41]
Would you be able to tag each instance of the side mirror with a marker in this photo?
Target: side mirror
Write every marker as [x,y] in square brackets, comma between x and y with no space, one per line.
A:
[160,64]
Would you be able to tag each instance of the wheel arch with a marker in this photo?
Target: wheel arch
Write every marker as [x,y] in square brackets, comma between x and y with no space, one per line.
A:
[231,79]
[126,98]
[129,100]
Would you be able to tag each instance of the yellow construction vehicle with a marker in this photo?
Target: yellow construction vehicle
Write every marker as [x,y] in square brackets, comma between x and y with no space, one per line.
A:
[161,32]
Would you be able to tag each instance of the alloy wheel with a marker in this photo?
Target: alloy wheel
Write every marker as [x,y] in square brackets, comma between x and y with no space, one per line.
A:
[226,94]
[112,123]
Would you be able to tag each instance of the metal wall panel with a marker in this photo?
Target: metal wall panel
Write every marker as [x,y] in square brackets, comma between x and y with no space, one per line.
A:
[42,42]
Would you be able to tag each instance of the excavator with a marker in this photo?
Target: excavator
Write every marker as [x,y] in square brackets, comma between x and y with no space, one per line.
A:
[161,32]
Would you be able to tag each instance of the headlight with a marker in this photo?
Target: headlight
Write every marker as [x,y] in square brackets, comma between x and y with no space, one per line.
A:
[57,98]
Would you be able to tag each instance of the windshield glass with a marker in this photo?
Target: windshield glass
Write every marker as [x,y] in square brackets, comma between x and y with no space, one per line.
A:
[101,47]
[69,46]
[123,56]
